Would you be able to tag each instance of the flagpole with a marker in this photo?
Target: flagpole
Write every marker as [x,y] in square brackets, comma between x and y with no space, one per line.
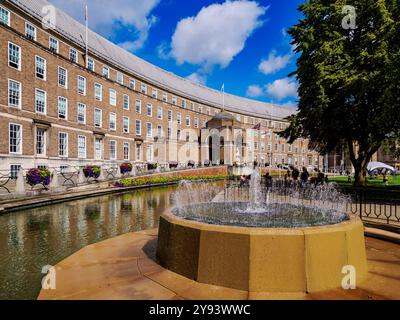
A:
[86,34]
[223,97]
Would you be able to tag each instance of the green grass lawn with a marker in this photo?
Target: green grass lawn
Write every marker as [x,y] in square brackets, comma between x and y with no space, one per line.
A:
[377,182]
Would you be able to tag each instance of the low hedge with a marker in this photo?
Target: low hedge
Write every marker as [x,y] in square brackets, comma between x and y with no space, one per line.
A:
[148,181]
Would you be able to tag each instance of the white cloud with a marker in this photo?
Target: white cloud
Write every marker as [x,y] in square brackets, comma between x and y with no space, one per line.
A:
[282,88]
[274,63]
[254,91]
[134,15]
[217,34]
[290,104]
[197,78]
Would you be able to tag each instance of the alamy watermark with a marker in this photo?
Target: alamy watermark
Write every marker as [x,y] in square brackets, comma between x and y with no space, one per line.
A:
[349,280]
[349,20]
[49,280]
[49,19]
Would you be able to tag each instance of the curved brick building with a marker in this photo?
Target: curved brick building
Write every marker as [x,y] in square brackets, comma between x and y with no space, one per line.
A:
[59,107]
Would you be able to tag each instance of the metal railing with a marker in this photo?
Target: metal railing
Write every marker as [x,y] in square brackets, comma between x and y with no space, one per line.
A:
[72,176]
[379,207]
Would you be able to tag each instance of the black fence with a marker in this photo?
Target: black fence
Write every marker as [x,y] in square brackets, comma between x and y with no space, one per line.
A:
[377,206]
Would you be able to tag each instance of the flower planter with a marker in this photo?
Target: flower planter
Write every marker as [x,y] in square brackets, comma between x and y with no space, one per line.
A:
[92,172]
[125,168]
[37,176]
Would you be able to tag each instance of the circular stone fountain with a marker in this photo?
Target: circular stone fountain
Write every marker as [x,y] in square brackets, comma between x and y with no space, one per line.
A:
[274,247]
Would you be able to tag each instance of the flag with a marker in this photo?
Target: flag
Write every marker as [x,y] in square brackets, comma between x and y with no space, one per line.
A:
[257,126]
[223,87]
[86,13]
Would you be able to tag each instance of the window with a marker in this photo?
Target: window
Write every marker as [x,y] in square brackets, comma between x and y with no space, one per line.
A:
[81,113]
[169,133]
[178,134]
[90,64]
[81,85]
[144,88]
[132,84]
[159,113]
[165,97]
[204,123]
[14,56]
[53,44]
[183,103]
[125,121]
[208,110]
[30,31]
[138,152]
[40,68]
[81,147]
[113,121]
[14,94]
[97,149]
[187,136]
[138,127]
[98,118]
[174,101]
[106,72]
[98,91]
[159,131]
[63,144]
[179,118]
[40,101]
[245,120]
[138,106]
[15,138]
[73,55]
[62,77]
[200,109]
[149,130]
[154,93]
[120,78]
[113,97]
[62,108]
[126,150]
[188,120]
[169,116]
[149,155]
[126,102]
[196,123]
[4,16]
[192,106]
[14,168]
[113,150]
[149,110]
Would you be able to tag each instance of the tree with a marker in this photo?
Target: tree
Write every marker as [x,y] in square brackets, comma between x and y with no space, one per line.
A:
[349,88]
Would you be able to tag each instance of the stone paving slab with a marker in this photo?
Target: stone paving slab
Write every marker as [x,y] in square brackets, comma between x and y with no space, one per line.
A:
[124,267]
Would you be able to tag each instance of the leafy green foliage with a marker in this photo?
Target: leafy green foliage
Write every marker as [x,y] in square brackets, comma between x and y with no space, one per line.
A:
[159,180]
[348,78]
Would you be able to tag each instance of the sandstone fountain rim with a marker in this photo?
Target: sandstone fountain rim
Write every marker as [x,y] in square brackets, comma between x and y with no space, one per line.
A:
[176,220]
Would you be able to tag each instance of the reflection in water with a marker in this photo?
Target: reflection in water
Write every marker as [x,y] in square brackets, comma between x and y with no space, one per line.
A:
[31,239]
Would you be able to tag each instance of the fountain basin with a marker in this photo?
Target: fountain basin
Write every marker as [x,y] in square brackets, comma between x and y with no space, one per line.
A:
[305,259]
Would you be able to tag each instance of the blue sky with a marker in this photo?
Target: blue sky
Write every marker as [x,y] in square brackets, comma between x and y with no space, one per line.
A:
[241,43]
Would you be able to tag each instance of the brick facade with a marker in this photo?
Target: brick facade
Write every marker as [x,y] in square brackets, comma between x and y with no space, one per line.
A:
[164,149]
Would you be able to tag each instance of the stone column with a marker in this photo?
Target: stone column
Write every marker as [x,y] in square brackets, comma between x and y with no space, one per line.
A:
[54,181]
[20,183]
[81,177]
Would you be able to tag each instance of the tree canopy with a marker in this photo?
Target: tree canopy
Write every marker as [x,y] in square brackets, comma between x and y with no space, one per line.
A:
[349,88]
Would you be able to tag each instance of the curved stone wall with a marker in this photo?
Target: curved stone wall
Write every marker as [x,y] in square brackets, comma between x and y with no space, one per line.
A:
[262,260]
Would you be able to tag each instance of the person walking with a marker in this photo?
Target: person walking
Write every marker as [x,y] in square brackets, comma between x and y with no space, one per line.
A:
[304,177]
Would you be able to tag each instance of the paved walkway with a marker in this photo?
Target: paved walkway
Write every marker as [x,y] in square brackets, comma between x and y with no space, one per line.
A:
[124,268]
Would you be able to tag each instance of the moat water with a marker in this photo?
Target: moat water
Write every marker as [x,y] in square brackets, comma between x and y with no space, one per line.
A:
[31,239]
